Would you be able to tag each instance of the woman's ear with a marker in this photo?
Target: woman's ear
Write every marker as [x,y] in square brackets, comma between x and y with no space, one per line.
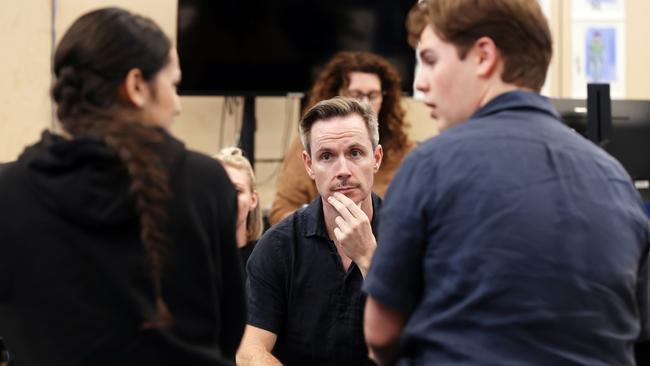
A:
[134,89]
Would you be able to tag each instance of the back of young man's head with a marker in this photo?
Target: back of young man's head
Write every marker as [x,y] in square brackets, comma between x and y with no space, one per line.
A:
[518,28]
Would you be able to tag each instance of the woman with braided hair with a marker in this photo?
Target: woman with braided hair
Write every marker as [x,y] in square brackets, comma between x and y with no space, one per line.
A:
[120,248]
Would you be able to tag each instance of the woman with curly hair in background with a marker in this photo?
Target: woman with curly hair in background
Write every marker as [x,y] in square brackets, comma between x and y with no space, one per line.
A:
[367,77]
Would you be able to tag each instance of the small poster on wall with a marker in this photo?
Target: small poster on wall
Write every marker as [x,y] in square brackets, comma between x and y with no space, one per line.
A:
[600,54]
[598,9]
[598,57]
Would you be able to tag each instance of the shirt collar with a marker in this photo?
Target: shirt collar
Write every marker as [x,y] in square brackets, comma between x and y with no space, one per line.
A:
[313,219]
[516,100]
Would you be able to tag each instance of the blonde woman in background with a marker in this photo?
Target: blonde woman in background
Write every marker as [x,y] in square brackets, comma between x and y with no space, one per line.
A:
[249,217]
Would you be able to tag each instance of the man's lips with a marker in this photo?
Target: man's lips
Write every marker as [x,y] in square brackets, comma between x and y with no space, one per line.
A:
[344,188]
[433,108]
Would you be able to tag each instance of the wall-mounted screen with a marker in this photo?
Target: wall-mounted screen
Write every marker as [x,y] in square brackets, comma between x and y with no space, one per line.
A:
[275,47]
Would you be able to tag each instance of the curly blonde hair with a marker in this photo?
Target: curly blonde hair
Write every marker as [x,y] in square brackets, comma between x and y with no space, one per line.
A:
[234,157]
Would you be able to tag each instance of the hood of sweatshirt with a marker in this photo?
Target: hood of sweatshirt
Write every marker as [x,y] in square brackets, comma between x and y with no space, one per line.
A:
[82,179]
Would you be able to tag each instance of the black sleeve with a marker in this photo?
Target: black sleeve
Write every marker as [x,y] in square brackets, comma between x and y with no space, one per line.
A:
[6,263]
[643,290]
[233,312]
[266,281]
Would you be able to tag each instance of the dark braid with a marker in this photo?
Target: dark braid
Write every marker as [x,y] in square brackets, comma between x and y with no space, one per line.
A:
[88,77]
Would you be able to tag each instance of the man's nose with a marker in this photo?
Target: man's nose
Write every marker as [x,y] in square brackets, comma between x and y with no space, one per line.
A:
[178,107]
[419,83]
[343,168]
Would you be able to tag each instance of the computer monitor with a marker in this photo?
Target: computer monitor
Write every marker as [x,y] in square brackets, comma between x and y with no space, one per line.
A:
[629,141]
[599,115]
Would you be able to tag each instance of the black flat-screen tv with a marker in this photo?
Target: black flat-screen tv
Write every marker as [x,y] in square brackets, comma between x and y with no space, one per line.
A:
[276,47]
[629,139]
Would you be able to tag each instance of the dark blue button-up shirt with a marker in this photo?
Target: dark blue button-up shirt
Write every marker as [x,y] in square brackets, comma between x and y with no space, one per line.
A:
[511,240]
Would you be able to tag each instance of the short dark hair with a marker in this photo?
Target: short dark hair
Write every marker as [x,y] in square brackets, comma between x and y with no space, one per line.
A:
[338,107]
[518,28]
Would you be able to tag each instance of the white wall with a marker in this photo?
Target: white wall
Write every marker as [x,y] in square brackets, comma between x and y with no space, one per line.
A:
[24,73]
[25,109]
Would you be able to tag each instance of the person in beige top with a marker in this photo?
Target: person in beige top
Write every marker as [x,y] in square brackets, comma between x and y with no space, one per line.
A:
[364,76]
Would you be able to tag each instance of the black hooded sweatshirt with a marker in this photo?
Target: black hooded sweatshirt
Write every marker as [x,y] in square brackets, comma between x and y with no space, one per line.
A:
[74,285]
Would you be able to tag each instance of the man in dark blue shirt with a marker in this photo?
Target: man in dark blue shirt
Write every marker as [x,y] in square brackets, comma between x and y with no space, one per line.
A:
[305,274]
[521,243]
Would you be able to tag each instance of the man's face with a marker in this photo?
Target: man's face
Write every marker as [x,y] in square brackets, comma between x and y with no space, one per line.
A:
[450,85]
[342,158]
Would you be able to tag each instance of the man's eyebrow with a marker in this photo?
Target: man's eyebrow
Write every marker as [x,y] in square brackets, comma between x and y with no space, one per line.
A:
[322,149]
[357,145]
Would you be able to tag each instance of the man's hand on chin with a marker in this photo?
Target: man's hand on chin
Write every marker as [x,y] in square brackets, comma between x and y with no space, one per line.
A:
[353,231]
